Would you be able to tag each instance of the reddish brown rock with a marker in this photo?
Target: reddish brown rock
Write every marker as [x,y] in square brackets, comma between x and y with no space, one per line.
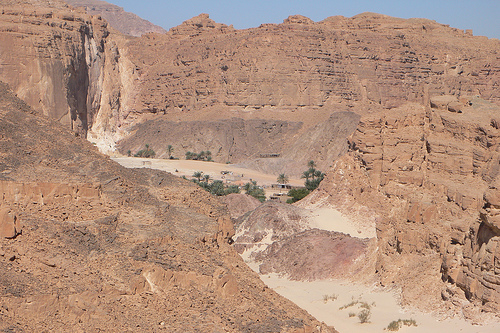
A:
[9,224]
[239,204]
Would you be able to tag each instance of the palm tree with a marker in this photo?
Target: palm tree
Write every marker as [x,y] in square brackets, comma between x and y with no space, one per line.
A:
[306,175]
[311,164]
[282,179]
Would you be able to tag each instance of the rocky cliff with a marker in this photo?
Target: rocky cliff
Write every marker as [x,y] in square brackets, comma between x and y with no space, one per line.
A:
[300,63]
[428,176]
[102,83]
[205,71]
[62,62]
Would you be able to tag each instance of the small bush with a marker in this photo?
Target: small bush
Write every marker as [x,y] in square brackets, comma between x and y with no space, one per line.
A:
[352,314]
[331,297]
[364,316]
[348,305]
[395,325]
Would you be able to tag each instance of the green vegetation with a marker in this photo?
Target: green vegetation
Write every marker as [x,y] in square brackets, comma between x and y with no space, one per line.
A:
[147,152]
[297,194]
[215,187]
[313,176]
[255,191]
[170,151]
[395,325]
[282,179]
[202,156]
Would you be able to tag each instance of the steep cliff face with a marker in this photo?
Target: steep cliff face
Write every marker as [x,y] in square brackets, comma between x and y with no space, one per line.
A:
[239,141]
[68,64]
[60,61]
[366,58]
[428,176]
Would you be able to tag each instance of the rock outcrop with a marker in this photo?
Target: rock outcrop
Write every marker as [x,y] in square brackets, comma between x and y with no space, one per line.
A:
[302,64]
[125,22]
[279,238]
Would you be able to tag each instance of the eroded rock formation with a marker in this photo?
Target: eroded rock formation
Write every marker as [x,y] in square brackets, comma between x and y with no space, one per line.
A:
[428,177]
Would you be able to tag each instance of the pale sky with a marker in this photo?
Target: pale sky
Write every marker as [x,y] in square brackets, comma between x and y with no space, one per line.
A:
[482,16]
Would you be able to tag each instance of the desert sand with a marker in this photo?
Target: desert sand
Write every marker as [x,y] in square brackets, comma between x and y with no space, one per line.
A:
[188,167]
[309,295]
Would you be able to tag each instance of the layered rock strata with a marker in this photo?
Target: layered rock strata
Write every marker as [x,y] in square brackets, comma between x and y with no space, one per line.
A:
[427,176]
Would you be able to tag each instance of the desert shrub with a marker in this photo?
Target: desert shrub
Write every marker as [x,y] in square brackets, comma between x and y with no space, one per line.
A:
[395,325]
[364,316]
[352,314]
[331,297]
[146,152]
[365,305]
[348,305]
[409,322]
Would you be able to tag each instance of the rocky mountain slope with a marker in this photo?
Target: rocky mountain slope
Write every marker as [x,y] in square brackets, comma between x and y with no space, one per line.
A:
[87,244]
[125,22]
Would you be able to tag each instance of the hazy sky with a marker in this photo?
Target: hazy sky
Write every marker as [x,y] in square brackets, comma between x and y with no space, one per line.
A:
[482,16]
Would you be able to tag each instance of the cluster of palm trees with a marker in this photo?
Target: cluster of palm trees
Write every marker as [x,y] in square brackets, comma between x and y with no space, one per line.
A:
[216,187]
[313,176]
[146,152]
